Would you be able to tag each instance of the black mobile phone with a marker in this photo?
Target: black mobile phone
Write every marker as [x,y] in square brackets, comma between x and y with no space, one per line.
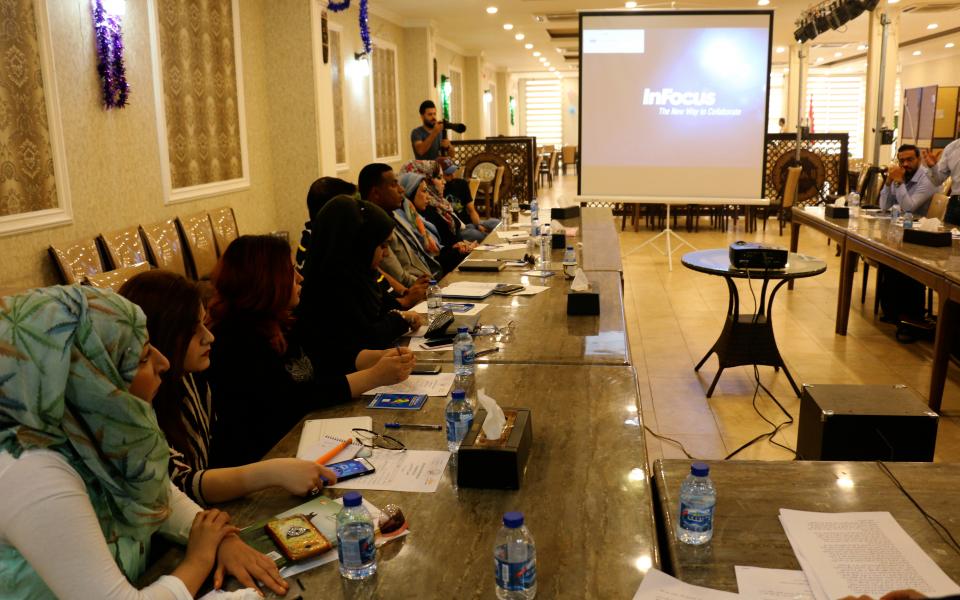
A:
[438,342]
[426,369]
[507,288]
[349,469]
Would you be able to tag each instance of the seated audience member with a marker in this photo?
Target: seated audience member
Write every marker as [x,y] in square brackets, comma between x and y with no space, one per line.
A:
[83,464]
[451,249]
[457,192]
[408,261]
[175,322]
[321,191]
[262,381]
[439,212]
[351,240]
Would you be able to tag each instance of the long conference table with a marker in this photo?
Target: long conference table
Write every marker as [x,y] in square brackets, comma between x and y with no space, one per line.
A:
[936,268]
[586,491]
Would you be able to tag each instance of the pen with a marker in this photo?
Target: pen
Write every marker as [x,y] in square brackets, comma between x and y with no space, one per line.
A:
[323,459]
[413,426]
[486,352]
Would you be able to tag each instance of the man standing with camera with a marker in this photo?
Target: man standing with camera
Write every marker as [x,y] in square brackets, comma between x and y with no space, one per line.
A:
[428,139]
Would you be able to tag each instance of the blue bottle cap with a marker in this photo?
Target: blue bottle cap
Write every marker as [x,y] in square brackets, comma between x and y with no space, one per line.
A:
[351,499]
[700,469]
[459,395]
[569,247]
[461,329]
[513,519]
[433,282]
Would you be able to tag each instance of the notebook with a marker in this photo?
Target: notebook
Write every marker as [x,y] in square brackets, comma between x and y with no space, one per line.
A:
[473,290]
[315,430]
[482,265]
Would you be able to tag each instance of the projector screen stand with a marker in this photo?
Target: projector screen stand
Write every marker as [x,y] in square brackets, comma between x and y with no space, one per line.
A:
[667,233]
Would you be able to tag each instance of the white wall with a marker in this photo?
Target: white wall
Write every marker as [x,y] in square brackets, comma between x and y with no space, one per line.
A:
[570,106]
[945,71]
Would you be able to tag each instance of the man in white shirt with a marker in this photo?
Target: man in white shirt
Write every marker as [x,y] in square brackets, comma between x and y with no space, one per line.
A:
[948,165]
[908,184]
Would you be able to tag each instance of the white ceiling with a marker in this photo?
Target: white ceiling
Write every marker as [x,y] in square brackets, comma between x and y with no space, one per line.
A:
[466,25]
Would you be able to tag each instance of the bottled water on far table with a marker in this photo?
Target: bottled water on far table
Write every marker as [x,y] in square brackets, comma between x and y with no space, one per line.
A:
[459,417]
[515,560]
[546,246]
[698,498]
[464,353]
[853,202]
[356,547]
[434,300]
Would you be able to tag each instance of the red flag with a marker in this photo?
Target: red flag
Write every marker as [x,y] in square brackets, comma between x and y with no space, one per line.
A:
[810,115]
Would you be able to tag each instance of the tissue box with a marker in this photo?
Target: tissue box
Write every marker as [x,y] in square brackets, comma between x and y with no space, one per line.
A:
[583,303]
[496,464]
[559,241]
[927,238]
[565,212]
[837,212]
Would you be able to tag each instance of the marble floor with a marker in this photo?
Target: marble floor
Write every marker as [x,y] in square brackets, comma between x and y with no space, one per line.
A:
[673,317]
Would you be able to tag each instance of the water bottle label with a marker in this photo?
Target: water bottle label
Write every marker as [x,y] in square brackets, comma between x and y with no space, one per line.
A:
[517,576]
[457,428]
[468,356]
[356,553]
[699,520]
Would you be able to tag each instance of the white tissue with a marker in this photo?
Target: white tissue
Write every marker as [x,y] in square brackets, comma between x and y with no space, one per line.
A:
[493,424]
[580,282]
[840,201]
[244,594]
[931,224]
[557,227]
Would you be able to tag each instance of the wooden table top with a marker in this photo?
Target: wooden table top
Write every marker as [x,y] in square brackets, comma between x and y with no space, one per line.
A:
[747,529]
[586,496]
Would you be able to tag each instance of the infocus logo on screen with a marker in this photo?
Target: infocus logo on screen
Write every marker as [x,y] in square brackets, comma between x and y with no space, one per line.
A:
[675,98]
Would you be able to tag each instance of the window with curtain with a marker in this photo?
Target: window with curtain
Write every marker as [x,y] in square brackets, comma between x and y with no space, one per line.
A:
[543,114]
[775,108]
[838,106]
[336,77]
[386,102]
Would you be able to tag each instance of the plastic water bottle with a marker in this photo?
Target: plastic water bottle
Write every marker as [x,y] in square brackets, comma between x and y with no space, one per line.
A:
[515,560]
[853,202]
[534,226]
[356,545]
[534,210]
[434,300]
[570,256]
[894,213]
[698,498]
[908,220]
[459,417]
[546,245]
[464,353]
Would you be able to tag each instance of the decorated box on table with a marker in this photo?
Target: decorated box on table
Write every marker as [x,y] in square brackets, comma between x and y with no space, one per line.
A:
[927,238]
[585,302]
[837,212]
[499,464]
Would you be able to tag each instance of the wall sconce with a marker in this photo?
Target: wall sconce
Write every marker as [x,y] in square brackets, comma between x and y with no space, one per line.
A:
[361,65]
[487,96]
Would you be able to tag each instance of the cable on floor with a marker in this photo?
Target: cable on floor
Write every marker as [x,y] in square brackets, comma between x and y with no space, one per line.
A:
[671,440]
[776,427]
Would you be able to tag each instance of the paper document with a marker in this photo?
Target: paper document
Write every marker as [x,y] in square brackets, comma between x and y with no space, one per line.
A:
[431,385]
[506,248]
[851,554]
[757,583]
[314,430]
[407,471]
[468,289]
[475,310]
[314,450]
[657,585]
[530,290]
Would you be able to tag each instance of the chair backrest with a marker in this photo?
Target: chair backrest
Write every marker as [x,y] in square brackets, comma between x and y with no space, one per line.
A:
[536,169]
[938,206]
[790,188]
[569,154]
[77,260]
[201,247]
[124,247]
[474,185]
[947,184]
[114,279]
[224,227]
[553,160]
[164,245]
[496,185]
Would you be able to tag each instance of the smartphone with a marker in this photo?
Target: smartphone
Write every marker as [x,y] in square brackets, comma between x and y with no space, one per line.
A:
[507,288]
[444,341]
[426,369]
[349,469]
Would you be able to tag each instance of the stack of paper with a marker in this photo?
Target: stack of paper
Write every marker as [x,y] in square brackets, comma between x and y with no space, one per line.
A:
[315,430]
[861,553]
[657,585]
[430,385]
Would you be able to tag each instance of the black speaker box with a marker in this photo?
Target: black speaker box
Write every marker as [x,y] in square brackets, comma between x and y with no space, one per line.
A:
[865,422]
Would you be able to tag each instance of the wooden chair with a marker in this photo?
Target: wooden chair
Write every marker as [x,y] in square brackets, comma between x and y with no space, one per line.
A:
[165,247]
[124,247]
[538,171]
[474,184]
[569,155]
[77,260]
[489,193]
[494,206]
[201,247]
[938,206]
[789,194]
[114,279]
[547,166]
[224,227]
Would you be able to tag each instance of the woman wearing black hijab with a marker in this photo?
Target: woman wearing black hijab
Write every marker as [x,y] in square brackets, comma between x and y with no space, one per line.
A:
[343,303]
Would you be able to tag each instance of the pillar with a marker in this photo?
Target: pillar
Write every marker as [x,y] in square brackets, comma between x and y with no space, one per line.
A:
[874,94]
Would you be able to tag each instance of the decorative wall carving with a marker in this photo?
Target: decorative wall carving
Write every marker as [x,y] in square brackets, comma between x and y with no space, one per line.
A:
[824,160]
[516,153]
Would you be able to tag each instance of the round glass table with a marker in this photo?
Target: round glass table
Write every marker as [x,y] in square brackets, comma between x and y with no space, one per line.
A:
[748,339]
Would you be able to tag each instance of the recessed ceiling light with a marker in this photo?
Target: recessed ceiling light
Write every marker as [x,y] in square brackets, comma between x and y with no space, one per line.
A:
[837,54]
[781,49]
[536,53]
[492,10]
[917,53]
[892,1]
[508,26]
[546,63]
[528,46]
[932,26]
[630,4]
[763,2]
[552,69]
[519,37]
[820,59]
[948,45]
[862,47]
[543,60]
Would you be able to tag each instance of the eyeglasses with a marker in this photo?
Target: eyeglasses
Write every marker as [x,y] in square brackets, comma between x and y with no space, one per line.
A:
[372,439]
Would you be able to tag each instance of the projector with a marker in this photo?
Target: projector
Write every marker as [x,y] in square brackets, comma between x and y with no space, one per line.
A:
[751,255]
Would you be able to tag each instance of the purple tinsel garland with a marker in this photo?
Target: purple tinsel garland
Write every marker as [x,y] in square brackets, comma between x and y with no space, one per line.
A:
[364,24]
[110,57]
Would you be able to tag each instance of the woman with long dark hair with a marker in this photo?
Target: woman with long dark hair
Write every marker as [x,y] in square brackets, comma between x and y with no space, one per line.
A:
[263,382]
[184,407]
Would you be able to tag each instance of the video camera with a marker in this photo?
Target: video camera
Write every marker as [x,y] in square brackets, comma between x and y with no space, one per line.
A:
[457,127]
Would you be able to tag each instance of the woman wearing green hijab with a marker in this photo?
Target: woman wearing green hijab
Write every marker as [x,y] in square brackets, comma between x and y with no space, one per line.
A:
[83,464]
